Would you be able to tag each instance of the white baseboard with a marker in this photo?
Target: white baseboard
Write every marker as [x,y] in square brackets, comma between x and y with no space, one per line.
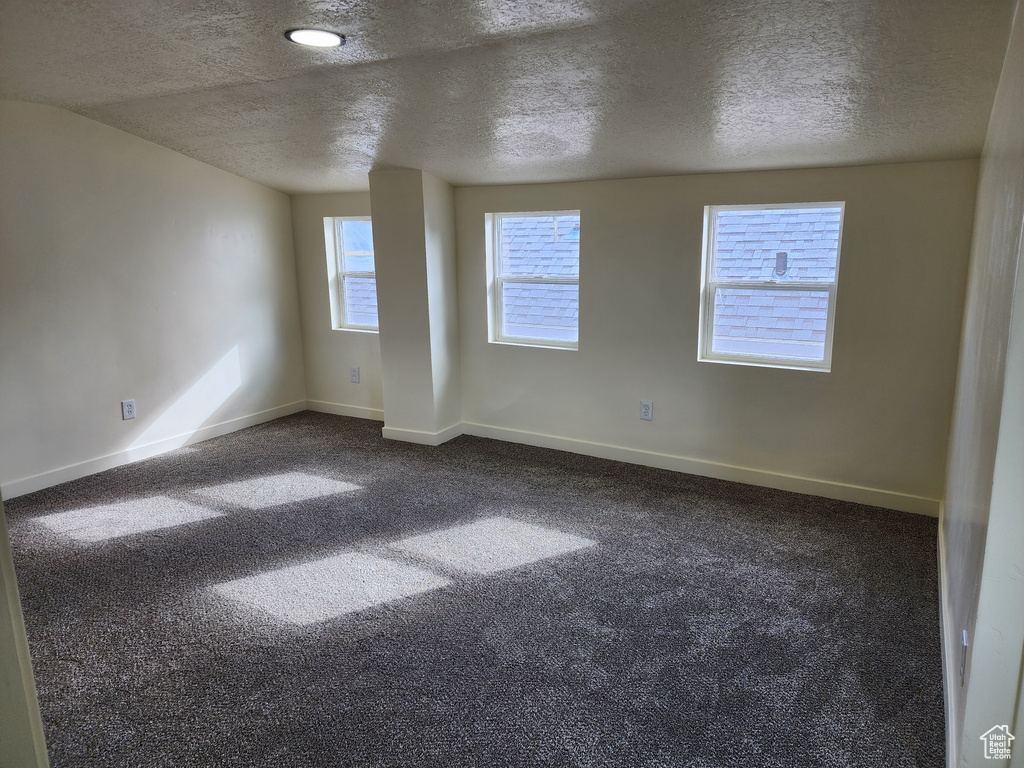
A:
[357,411]
[421,437]
[950,642]
[21,486]
[827,488]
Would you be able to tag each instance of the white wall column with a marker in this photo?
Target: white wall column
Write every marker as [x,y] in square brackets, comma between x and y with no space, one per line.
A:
[414,250]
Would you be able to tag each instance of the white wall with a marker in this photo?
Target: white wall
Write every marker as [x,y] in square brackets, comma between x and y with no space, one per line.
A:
[983,522]
[130,271]
[21,729]
[329,353]
[874,429]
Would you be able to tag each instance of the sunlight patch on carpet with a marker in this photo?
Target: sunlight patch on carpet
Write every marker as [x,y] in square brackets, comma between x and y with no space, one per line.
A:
[274,490]
[490,545]
[111,521]
[323,589]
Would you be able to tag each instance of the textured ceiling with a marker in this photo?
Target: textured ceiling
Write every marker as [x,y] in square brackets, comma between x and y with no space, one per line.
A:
[493,91]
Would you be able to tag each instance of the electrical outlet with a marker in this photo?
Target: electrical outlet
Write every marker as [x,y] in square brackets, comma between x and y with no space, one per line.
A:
[353,374]
[647,410]
[127,410]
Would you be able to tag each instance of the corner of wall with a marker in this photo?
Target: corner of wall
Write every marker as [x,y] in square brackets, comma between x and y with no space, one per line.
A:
[22,742]
[949,646]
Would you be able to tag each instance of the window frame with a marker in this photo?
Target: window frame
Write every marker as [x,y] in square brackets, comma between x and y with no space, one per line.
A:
[336,272]
[496,280]
[709,285]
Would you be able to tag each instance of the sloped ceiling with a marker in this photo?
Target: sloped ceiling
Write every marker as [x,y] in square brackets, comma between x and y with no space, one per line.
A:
[495,92]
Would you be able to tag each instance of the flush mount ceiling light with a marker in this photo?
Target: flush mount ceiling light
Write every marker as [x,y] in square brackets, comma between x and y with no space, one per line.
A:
[315,38]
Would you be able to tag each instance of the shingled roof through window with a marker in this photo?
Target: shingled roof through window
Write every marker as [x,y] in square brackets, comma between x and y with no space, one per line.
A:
[540,246]
[361,301]
[781,245]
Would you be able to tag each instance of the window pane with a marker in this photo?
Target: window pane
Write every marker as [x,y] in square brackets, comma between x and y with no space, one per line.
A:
[772,322]
[544,246]
[532,311]
[360,301]
[777,244]
[357,246]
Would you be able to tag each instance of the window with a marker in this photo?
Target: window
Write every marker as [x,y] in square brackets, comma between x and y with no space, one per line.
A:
[350,269]
[534,271]
[769,284]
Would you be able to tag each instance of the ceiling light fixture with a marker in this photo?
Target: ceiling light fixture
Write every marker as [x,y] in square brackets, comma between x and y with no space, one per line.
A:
[315,38]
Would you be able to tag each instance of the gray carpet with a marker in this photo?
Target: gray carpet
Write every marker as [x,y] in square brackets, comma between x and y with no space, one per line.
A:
[305,593]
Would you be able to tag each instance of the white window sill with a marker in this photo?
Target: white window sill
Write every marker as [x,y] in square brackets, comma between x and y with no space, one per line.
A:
[356,330]
[794,365]
[534,344]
